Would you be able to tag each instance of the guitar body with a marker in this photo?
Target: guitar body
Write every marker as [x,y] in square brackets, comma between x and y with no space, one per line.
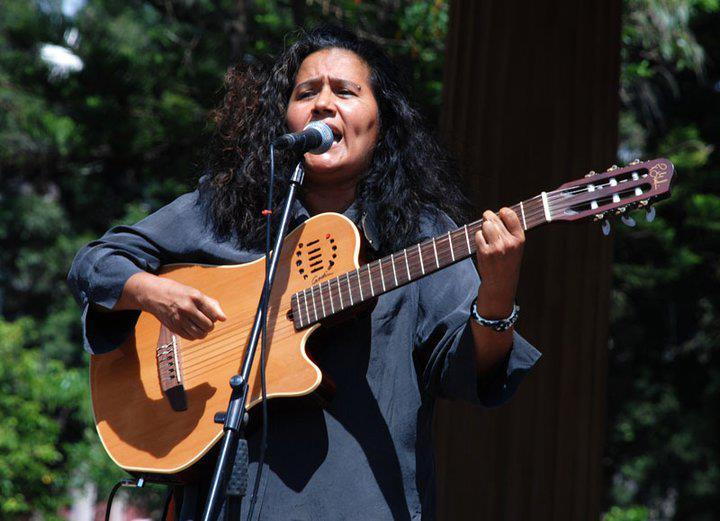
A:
[154,398]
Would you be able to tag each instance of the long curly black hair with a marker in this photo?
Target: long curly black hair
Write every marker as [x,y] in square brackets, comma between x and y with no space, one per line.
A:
[411,176]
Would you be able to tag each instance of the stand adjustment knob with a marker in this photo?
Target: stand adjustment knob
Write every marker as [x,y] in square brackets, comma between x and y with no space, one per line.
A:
[220,417]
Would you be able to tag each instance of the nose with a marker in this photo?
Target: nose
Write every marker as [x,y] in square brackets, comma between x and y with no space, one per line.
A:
[324,104]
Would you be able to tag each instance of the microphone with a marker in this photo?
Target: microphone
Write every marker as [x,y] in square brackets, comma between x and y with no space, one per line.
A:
[316,138]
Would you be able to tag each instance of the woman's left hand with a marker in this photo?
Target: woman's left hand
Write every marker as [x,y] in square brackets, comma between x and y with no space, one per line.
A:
[499,254]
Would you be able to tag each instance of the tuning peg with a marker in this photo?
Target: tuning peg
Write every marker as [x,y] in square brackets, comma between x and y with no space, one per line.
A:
[606,227]
[650,215]
[628,221]
[635,162]
[614,167]
[591,173]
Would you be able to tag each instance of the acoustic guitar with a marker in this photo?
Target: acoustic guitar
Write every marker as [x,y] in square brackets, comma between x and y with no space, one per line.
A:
[154,398]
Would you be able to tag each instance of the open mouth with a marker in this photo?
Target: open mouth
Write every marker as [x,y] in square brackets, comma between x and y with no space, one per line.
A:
[337,135]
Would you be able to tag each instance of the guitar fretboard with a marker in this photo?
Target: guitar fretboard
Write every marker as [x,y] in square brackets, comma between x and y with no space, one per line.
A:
[339,293]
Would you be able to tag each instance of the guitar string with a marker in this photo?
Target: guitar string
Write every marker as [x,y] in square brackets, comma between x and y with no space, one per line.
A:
[228,344]
[193,365]
[371,269]
[375,266]
[534,212]
[374,269]
[415,255]
[191,362]
[246,310]
[189,353]
[196,349]
[441,245]
[215,348]
[221,360]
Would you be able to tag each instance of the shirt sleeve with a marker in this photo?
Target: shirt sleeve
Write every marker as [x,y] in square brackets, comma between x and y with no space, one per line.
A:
[100,269]
[444,339]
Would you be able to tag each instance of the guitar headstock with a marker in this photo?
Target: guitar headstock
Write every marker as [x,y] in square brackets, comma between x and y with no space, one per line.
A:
[613,192]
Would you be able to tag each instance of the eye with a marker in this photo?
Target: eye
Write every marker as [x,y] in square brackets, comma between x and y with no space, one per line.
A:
[305,94]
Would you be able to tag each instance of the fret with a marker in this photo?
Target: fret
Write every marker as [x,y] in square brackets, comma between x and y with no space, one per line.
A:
[332,305]
[342,305]
[452,249]
[294,306]
[307,310]
[322,300]
[313,302]
[382,278]
[347,276]
[299,308]
[392,261]
[546,207]
[407,266]
[422,265]
[539,211]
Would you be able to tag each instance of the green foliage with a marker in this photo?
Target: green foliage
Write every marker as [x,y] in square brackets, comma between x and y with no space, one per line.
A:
[664,379]
[635,513]
[37,399]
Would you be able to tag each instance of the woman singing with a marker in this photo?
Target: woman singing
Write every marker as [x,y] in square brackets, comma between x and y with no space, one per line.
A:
[367,454]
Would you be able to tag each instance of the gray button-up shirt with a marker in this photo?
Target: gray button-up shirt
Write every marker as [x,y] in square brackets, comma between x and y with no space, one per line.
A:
[368,453]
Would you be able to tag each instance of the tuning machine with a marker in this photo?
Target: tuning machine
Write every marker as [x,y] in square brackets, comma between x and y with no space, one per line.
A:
[634,162]
[628,221]
[591,173]
[613,167]
[650,215]
[606,227]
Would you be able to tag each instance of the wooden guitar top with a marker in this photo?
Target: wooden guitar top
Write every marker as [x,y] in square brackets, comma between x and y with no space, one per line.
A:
[141,426]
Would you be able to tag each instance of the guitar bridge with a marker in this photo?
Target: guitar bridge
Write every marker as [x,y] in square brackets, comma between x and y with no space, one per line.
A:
[170,369]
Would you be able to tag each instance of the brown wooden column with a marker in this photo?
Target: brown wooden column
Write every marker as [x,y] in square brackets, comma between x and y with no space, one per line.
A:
[531,101]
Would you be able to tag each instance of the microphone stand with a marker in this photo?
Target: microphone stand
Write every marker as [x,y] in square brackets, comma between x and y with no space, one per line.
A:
[234,420]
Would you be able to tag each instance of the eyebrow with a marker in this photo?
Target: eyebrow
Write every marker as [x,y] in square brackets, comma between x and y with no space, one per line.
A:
[338,81]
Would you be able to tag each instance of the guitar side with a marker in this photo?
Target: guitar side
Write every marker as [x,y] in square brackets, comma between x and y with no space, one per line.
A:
[139,426]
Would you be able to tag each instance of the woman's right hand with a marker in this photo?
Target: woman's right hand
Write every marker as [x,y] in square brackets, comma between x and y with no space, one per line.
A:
[182,309]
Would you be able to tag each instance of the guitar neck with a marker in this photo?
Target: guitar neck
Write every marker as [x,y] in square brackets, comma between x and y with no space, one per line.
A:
[371,280]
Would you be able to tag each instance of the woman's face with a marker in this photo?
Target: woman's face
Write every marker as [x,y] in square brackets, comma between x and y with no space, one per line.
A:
[333,86]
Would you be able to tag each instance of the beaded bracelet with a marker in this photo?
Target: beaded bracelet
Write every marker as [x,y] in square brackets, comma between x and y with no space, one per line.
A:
[496,325]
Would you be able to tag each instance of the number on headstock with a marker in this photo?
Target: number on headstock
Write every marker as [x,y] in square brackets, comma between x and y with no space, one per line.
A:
[615,191]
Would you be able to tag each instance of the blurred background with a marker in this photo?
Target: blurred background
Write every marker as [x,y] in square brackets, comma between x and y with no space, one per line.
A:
[104,118]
